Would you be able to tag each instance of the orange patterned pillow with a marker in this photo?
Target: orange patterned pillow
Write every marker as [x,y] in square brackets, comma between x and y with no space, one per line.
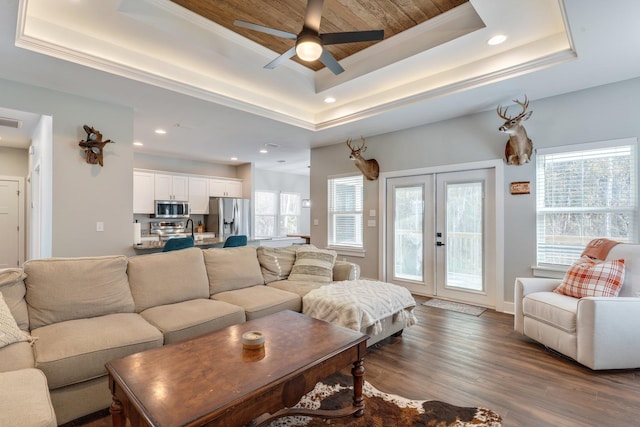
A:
[587,278]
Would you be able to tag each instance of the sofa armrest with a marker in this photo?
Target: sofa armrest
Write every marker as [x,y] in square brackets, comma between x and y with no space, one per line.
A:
[608,332]
[523,287]
[343,270]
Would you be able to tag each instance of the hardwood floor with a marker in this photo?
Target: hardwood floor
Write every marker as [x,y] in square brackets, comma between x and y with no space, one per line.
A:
[481,361]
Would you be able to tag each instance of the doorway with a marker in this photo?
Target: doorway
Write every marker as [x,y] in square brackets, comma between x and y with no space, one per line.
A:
[11,222]
[441,235]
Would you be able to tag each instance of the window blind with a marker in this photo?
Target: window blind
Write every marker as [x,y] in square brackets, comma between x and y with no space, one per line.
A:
[583,194]
[345,206]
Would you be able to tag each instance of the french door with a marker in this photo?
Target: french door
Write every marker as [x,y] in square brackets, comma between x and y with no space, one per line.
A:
[441,236]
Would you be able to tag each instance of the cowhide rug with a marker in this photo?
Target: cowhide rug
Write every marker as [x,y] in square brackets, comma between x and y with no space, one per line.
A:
[383,409]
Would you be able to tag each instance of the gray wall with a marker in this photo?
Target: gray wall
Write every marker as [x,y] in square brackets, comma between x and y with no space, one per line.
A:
[82,193]
[14,162]
[602,113]
[285,182]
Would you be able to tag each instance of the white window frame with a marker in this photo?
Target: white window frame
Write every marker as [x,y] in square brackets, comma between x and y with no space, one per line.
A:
[357,248]
[277,214]
[274,215]
[282,232]
[556,269]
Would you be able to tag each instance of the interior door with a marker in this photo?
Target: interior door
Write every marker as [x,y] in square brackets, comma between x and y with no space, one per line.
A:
[9,222]
[410,230]
[465,236]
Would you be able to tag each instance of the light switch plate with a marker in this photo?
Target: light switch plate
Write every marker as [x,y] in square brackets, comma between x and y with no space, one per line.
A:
[371,223]
[372,212]
[99,226]
[315,222]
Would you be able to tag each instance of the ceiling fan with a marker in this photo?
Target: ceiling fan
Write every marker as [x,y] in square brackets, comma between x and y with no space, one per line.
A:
[310,44]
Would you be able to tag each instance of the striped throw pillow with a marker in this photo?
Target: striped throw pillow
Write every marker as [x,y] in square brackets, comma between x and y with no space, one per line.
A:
[588,278]
[313,265]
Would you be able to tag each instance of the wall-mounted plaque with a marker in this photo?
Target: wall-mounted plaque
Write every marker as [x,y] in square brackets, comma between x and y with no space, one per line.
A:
[521,187]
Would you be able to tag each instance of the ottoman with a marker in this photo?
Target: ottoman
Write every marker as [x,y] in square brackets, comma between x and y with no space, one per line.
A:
[378,309]
[24,399]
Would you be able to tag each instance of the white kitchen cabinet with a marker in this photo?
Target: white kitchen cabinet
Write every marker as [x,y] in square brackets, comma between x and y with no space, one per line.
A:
[198,195]
[143,192]
[171,187]
[225,188]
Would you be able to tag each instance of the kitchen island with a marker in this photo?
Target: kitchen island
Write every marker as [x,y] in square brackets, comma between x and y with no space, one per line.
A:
[150,246]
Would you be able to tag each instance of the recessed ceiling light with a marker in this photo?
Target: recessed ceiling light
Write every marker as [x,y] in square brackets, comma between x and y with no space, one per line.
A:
[497,39]
[281,161]
[272,145]
[138,143]
[234,158]
[160,131]
[329,100]
[264,151]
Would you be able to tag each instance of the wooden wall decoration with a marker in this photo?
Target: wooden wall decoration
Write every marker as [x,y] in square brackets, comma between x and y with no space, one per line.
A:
[93,146]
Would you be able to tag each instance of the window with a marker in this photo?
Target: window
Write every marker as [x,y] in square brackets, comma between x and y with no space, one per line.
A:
[266,213]
[289,213]
[345,211]
[277,216]
[585,192]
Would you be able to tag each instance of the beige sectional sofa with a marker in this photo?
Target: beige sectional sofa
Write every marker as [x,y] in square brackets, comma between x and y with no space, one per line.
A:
[83,312]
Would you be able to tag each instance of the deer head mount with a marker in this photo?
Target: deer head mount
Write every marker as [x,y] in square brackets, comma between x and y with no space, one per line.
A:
[519,147]
[93,146]
[369,168]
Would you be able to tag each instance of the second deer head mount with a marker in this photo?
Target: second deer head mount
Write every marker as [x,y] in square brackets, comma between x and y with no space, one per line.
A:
[519,147]
[369,168]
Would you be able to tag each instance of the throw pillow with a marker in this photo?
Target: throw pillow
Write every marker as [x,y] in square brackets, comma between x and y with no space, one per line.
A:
[276,263]
[313,265]
[588,278]
[9,331]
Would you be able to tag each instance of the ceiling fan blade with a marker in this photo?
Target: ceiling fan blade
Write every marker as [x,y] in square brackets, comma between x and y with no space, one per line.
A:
[288,54]
[264,29]
[351,37]
[313,15]
[330,62]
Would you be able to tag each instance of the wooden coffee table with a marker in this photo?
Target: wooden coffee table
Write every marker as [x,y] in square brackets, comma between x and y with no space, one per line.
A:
[211,380]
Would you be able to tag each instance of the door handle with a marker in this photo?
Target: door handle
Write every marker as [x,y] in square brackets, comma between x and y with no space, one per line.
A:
[439,244]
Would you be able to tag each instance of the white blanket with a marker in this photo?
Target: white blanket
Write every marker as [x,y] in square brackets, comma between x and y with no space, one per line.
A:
[358,304]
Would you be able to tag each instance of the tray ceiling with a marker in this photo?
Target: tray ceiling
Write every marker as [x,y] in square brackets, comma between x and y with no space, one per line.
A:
[393,17]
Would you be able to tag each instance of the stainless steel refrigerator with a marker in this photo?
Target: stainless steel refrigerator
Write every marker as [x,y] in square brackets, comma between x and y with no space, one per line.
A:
[229,216]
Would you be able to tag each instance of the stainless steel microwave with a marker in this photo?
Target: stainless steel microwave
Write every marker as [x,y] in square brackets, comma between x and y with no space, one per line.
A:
[171,209]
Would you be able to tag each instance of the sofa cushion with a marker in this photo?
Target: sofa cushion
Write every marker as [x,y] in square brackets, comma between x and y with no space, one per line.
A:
[300,288]
[553,309]
[276,263]
[188,319]
[9,331]
[167,278]
[232,268]
[261,300]
[77,350]
[313,265]
[16,356]
[13,289]
[60,289]
[588,278]
[24,400]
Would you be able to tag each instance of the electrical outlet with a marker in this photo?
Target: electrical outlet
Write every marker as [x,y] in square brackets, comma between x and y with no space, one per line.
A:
[99,226]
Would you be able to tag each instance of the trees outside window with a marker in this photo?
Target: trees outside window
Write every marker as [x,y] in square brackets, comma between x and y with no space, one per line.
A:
[345,211]
[585,192]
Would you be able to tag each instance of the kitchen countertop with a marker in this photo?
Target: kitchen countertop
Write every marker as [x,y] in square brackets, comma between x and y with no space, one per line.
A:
[209,242]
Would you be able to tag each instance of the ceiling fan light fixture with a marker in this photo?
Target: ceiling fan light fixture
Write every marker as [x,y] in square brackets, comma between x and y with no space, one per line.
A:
[308,47]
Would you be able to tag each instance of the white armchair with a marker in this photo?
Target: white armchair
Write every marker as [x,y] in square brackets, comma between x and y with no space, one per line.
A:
[598,332]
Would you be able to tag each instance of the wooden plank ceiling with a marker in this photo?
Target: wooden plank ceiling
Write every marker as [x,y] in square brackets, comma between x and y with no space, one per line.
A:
[393,16]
